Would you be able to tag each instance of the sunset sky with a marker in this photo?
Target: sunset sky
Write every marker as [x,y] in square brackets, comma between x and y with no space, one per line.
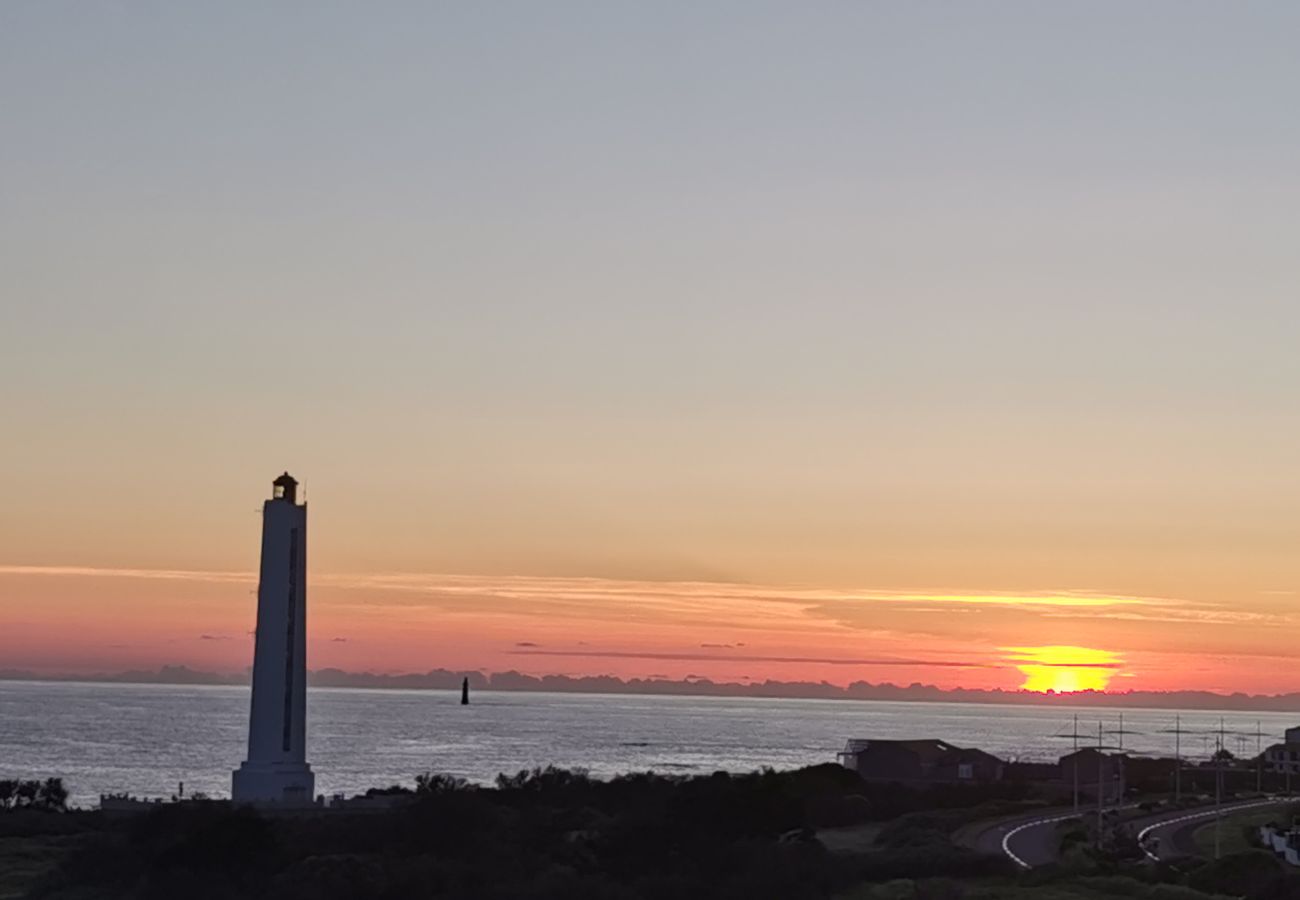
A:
[939,342]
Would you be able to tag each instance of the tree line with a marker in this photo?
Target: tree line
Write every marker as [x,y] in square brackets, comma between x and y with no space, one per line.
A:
[34,794]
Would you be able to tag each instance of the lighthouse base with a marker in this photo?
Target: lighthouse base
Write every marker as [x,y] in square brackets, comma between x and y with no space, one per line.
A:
[274,784]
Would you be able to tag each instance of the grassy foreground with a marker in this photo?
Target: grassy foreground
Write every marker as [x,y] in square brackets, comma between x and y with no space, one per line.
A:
[1236,831]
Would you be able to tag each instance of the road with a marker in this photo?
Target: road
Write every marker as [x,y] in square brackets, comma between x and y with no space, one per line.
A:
[1031,839]
[1170,834]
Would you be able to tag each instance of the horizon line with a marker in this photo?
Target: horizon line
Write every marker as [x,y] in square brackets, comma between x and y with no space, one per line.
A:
[515,681]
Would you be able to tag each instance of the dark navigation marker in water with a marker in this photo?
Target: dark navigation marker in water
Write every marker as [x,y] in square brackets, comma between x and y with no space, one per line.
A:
[464,692]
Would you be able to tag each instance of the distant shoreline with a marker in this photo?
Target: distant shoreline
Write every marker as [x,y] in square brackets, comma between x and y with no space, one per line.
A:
[441,679]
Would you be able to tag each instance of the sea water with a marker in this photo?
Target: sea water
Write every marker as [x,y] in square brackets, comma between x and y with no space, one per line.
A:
[146,739]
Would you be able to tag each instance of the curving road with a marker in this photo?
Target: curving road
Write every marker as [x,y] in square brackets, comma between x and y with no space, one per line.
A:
[1169,835]
[1031,839]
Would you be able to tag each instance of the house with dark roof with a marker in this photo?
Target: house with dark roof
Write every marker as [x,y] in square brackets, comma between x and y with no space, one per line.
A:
[929,761]
[1093,770]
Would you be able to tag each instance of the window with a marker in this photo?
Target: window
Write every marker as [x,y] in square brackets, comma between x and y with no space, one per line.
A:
[965,770]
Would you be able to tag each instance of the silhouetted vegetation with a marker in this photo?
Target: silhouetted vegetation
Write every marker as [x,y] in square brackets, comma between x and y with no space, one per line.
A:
[540,833]
[556,834]
[49,794]
[1253,874]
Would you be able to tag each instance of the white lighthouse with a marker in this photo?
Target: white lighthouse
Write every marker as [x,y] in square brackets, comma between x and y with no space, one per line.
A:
[276,770]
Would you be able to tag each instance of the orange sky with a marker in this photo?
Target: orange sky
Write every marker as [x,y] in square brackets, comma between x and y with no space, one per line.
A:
[63,619]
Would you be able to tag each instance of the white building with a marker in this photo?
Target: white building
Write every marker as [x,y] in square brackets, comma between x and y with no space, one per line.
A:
[276,770]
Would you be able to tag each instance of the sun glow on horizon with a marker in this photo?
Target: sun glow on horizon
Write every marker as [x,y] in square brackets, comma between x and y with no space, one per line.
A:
[1064,669]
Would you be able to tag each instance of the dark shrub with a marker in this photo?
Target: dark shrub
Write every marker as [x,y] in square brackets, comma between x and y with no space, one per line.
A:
[1253,874]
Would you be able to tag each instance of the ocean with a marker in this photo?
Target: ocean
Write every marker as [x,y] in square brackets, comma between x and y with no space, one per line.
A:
[146,739]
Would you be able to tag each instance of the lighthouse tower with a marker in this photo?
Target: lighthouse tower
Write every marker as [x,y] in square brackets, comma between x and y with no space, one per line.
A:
[276,770]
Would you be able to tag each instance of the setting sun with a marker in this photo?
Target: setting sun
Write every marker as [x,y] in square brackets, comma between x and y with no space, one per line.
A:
[1064,669]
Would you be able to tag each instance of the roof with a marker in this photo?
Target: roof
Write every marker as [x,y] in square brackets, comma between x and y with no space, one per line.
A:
[924,745]
[1093,753]
[286,479]
[930,750]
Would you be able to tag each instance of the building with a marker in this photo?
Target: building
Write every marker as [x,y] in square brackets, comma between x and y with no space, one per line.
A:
[919,762]
[1284,757]
[276,771]
[1282,839]
[1090,768]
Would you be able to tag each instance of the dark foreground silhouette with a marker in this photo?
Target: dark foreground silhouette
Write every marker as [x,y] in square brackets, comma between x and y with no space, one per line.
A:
[541,834]
[557,835]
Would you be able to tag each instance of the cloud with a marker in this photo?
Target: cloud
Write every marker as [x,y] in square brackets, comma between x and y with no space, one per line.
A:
[1061,656]
[582,592]
[699,604]
[704,657]
[1053,598]
[889,621]
[214,637]
[147,574]
[338,640]
[1188,615]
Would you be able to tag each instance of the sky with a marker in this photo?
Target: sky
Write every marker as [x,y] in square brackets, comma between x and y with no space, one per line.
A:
[846,341]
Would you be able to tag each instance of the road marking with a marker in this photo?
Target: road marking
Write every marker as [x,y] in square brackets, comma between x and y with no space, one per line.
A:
[1006,839]
[1203,814]
[1077,814]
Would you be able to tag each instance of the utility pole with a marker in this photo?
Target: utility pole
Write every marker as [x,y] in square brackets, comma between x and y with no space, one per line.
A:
[1101,785]
[1075,758]
[1218,788]
[1178,759]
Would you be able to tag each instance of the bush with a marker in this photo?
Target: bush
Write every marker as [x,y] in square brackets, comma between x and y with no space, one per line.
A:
[1174,892]
[437,783]
[1253,874]
[49,794]
[940,889]
[1116,886]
